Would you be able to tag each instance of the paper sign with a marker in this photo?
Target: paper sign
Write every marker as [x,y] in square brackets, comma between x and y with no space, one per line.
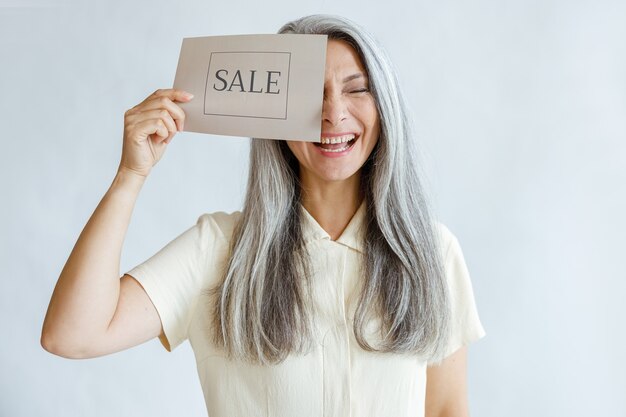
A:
[262,86]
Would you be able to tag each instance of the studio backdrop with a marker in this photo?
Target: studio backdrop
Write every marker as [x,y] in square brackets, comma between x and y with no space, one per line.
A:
[520,112]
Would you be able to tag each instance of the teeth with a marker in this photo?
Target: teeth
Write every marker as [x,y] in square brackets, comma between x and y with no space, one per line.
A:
[338,139]
[337,150]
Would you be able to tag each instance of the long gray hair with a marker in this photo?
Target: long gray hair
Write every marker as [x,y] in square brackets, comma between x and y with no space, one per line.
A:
[262,310]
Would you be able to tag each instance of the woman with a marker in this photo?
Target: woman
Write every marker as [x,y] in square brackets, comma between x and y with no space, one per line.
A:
[332,293]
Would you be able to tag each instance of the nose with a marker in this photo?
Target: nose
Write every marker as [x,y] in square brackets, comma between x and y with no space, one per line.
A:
[334,110]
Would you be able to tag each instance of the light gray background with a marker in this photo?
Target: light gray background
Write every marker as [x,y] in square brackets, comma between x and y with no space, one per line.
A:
[521,112]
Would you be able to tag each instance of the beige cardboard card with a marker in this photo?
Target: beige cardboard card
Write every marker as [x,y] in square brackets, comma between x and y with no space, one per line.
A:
[262,86]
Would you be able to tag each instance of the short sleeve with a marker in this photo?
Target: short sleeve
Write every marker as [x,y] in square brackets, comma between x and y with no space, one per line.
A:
[465,326]
[175,276]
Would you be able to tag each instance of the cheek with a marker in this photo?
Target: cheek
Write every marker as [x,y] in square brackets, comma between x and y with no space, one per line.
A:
[366,113]
[373,125]
[298,149]
[373,117]
[293,146]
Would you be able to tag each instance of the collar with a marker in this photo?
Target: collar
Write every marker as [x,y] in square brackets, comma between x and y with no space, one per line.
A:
[352,236]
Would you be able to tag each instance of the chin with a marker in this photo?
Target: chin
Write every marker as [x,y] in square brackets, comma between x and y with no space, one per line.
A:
[337,175]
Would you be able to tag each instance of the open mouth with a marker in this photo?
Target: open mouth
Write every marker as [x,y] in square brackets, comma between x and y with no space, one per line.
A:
[337,143]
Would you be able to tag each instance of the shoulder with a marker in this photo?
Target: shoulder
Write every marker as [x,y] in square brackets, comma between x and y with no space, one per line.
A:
[219,223]
[454,265]
[448,242]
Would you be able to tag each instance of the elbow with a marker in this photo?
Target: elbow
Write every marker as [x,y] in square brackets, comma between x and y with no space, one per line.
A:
[51,345]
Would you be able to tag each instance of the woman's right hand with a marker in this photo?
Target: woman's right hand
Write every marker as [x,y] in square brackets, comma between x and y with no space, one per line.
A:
[149,127]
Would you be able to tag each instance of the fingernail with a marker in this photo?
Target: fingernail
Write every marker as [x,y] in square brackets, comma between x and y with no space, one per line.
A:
[188,95]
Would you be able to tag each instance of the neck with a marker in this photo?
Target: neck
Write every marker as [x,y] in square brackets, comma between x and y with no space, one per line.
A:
[331,203]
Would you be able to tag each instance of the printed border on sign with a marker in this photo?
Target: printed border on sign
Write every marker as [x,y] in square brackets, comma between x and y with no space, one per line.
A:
[239,115]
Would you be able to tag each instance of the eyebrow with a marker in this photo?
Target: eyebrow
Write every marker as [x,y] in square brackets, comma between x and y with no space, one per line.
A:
[353,77]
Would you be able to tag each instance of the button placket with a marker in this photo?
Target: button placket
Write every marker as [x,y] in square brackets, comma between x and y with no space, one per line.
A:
[337,381]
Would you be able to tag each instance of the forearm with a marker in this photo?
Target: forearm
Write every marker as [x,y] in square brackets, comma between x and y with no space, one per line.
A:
[87,291]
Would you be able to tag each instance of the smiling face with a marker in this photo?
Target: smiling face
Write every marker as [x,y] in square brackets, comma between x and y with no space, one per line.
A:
[350,122]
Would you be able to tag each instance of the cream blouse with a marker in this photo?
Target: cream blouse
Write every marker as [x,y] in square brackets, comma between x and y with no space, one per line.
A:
[337,378]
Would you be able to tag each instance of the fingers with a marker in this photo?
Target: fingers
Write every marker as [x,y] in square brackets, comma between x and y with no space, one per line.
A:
[154,127]
[150,126]
[156,114]
[172,94]
[151,123]
[164,99]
